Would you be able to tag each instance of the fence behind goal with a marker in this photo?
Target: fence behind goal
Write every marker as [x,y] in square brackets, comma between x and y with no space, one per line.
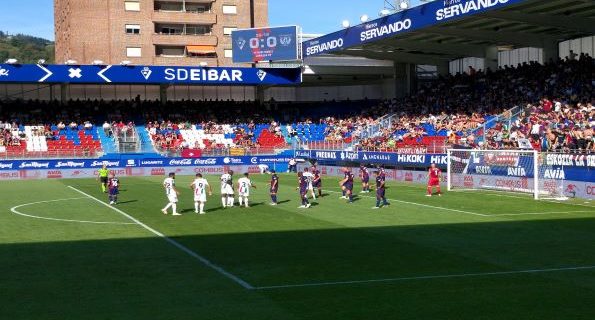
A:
[519,171]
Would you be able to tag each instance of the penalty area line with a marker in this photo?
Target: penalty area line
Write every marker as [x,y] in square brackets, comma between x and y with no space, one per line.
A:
[429,277]
[174,243]
[421,205]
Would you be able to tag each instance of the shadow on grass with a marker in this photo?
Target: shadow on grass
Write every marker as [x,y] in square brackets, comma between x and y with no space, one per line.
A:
[132,277]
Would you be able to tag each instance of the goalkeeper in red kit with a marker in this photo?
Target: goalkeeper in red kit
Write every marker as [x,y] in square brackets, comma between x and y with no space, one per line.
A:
[434,175]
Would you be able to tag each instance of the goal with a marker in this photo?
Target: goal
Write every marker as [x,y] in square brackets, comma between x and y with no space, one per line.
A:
[518,171]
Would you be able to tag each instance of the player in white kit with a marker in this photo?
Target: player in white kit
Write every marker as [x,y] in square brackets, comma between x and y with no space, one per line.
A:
[200,186]
[227,189]
[310,177]
[244,185]
[172,194]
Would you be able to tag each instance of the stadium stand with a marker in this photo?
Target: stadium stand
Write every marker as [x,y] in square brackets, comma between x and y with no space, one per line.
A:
[49,140]
[548,106]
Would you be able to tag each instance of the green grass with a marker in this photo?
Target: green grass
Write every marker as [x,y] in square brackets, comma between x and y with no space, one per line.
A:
[70,270]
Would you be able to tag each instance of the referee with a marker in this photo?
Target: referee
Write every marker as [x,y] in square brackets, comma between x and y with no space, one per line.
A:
[102,176]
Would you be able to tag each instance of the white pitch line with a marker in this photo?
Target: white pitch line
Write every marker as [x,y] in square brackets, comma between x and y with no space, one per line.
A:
[429,277]
[572,204]
[174,243]
[490,193]
[423,205]
[15,211]
[493,193]
[481,214]
[539,213]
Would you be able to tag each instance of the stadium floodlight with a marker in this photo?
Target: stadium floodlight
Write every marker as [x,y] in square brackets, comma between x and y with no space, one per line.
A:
[98,62]
[384,12]
[70,62]
[41,61]
[203,64]
[404,4]
[345,24]
[125,63]
[364,18]
[11,61]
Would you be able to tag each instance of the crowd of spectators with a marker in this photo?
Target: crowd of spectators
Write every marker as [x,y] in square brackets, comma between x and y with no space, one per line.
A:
[457,106]
[555,100]
[8,136]
[562,120]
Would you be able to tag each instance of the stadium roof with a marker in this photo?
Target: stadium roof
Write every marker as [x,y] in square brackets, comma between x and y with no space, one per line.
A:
[520,23]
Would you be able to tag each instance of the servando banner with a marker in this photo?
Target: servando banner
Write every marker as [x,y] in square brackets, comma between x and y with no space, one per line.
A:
[427,15]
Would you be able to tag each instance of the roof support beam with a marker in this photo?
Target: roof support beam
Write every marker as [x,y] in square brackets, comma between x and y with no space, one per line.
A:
[463,50]
[498,37]
[544,20]
[399,56]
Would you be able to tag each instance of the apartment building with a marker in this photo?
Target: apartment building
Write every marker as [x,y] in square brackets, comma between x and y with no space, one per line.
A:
[153,32]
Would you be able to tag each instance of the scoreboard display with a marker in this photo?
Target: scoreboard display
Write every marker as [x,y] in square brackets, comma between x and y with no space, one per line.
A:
[265,44]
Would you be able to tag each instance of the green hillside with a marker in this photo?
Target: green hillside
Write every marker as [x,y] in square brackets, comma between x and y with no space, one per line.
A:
[26,49]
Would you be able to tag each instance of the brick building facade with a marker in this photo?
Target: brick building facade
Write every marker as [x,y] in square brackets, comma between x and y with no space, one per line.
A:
[152,32]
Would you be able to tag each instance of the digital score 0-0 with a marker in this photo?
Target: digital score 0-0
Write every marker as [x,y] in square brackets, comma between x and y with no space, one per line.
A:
[265,44]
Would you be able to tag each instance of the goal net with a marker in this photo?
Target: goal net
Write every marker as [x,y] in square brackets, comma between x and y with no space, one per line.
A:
[519,171]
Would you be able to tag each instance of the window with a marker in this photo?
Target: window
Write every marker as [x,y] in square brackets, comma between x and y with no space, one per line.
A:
[170,29]
[165,51]
[133,52]
[230,9]
[197,29]
[132,29]
[227,30]
[197,7]
[132,5]
[228,53]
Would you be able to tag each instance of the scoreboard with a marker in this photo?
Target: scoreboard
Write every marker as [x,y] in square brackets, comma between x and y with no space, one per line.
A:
[265,44]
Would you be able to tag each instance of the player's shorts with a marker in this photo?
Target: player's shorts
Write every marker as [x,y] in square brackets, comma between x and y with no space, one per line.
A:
[226,189]
[380,193]
[113,191]
[303,192]
[172,197]
[434,182]
[200,198]
[317,184]
[273,190]
[348,186]
[244,194]
[365,179]
[103,179]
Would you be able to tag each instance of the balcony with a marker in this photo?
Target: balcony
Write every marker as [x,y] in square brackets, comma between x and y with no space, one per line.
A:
[184,61]
[184,39]
[189,17]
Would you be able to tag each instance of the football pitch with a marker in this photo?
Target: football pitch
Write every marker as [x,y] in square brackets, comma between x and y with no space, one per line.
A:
[66,254]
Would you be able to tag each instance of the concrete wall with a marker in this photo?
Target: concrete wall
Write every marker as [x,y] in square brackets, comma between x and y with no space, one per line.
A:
[518,56]
[182,92]
[578,46]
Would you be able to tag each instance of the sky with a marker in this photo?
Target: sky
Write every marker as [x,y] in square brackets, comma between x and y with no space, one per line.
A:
[36,17]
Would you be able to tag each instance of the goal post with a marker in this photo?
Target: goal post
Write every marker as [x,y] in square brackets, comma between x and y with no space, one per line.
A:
[518,171]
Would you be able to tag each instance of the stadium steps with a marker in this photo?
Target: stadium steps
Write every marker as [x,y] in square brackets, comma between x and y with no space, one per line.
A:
[108,144]
[145,140]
